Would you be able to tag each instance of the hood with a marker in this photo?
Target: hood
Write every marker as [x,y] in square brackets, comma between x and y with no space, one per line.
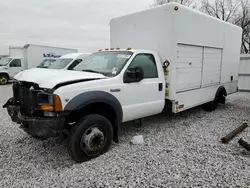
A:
[49,78]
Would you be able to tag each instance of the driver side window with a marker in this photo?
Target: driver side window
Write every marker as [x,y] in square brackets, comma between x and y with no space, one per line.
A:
[147,63]
[16,63]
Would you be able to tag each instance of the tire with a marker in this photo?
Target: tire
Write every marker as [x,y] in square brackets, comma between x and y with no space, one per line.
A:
[4,80]
[89,138]
[210,106]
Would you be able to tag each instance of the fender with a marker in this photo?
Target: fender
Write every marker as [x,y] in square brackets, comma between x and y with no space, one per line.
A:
[4,72]
[82,100]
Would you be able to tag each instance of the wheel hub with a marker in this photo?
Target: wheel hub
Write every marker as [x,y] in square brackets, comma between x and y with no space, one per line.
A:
[3,80]
[93,141]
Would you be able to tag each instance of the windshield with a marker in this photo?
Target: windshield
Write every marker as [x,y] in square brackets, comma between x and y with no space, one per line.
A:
[46,63]
[108,63]
[60,63]
[4,61]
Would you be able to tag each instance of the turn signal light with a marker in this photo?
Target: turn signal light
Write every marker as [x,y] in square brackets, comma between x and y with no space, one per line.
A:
[57,107]
[47,107]
[57,104]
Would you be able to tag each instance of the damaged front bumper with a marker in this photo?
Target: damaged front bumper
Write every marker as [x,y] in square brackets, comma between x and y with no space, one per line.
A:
[41,127]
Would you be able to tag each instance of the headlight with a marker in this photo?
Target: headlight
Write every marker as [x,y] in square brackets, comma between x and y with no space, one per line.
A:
[49,102]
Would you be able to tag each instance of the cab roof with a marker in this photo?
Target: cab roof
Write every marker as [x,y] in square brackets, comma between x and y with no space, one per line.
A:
[73,55]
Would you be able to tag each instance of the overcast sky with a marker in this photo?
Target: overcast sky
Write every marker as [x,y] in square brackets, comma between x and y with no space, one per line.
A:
[80,24]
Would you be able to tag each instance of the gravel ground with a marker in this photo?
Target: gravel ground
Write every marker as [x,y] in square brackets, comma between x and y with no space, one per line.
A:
[179,151]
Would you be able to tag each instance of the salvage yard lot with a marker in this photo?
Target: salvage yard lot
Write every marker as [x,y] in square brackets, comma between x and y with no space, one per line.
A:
[179,151]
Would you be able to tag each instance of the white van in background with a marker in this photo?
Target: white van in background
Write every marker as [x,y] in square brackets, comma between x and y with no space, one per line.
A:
[46,63]
[27,57]
[68,61]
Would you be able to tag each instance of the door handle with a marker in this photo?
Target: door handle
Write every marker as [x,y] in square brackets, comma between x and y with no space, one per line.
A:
[160,87]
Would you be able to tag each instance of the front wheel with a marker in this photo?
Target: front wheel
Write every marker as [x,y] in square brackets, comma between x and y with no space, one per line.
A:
[3,80]
[90,137]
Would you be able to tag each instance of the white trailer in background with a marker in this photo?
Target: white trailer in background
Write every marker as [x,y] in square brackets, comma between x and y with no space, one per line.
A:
[29,56]
[244,73]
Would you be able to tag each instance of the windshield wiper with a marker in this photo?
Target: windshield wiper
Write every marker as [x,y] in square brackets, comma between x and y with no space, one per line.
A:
[90,70]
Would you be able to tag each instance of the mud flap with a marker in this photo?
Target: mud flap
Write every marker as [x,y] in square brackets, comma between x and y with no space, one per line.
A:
[11,101]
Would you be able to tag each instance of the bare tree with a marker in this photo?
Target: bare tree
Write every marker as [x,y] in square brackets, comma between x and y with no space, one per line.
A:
[234,11]
[189,3]
[222,9]
[242,19]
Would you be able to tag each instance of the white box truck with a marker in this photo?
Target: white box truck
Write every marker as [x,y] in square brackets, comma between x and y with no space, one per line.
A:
[29,56]
[180,58]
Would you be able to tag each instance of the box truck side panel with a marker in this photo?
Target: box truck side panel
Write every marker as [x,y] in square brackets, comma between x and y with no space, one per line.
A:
[195,28]
[36,54]
[221,49]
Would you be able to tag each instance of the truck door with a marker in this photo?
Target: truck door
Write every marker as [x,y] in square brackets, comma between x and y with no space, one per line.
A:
[15,66]
[146,97]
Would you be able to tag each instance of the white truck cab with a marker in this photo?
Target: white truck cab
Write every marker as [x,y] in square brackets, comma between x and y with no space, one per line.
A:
[46,63]
[176,61]
[9,67]
[68,61]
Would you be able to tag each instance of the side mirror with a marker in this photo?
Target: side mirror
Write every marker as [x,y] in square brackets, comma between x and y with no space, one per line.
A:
[133,75]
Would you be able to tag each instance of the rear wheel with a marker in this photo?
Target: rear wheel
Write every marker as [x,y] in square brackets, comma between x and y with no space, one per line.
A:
[220,97]
[4,80]
[210,106]
[90,137]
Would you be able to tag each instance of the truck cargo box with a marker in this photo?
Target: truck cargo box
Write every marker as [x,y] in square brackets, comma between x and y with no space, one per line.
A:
[203,51]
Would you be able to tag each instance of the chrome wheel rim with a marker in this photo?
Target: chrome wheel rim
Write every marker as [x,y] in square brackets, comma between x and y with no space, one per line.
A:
[93,140]
[3,80]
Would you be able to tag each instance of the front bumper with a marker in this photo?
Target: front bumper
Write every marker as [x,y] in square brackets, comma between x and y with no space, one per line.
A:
[41,127]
